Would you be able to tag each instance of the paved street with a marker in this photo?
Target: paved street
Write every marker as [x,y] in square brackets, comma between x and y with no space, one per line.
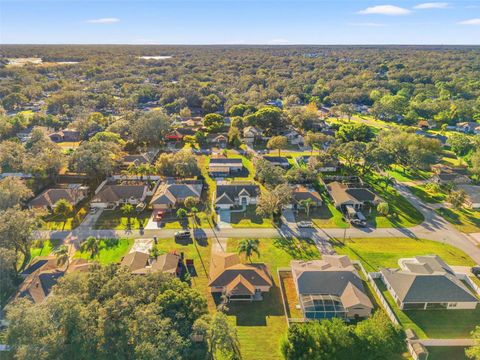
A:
[433,228]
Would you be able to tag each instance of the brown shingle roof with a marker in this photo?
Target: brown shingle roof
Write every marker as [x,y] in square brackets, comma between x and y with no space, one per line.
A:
[135,260]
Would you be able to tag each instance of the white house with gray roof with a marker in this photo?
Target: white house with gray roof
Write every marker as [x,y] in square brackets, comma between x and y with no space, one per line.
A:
[229,195]
[427,283]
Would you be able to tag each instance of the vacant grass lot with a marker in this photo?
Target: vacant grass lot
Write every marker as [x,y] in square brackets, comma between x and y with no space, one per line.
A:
[405,175]
[385,252]
[425,196]
[402,213]
[111,251]
[115,219]
[435,324]
[464,220]
[260,325]
[249,218]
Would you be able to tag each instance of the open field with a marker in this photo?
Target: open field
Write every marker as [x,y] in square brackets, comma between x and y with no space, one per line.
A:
[385,252]
[111,251]
[464,220]
[446,353]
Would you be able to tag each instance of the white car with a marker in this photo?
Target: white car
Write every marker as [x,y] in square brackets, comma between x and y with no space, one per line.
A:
[305,224]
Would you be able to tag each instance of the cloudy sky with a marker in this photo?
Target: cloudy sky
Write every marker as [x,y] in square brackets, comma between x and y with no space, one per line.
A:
[239,22]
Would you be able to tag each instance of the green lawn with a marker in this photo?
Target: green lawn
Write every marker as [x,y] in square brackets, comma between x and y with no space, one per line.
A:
[325,216]
[385,252]
[464,220]
[111,251]
[446,353]
[200,253]
[427,197]
[260,325]
[42,248]
[173,222]
[115,219]
[249,218]
[435,324]
[406,175]
[402,213]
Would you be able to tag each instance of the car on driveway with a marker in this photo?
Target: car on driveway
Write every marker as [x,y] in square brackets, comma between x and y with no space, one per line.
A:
[305,224]
[476,271]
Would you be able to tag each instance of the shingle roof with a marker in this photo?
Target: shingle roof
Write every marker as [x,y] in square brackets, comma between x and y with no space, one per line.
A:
[114,193]
[50,196]
[341,193]
[411,287]
[233,190]
[135,260]
[171,193]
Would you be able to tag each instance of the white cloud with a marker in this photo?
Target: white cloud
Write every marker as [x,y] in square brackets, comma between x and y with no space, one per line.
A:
[103,21]
[278,42]
[367,24]
[470,22]
[431,5]
[391,10]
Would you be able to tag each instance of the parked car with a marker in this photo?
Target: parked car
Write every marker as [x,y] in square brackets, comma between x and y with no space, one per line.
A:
[305,224]
[476,271]
[182,235]
[358,222]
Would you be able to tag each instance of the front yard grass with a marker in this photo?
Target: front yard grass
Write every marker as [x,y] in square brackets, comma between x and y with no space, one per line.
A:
[325,216]
[446,353]
[115,219]
[464,220]
[173,222]
[385,252]
[260,325]
[110,251]
[249,218]
[435,324]
[42,248]
[399,174]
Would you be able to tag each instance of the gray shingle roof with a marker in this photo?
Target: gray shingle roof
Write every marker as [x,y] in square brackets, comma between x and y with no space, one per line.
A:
[233,190]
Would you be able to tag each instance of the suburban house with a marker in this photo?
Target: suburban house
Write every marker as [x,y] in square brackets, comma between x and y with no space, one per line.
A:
[239,282]
[278,161]
[109,196]
[43,274]
[344,195]
[251,134]
[301,193]
[330,288]
[137,159]
[327,166]
[66,135]
[219,167]
[229,195]
[427,283]
[171,194]
[73,193]
[140,263]
[447,175]
[294,137]
[426,124]
[473,195]
[179,133]
[468,127]
[219,140]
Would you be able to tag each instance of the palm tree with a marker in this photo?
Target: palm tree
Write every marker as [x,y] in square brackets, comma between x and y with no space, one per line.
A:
[306,203]
[64,209]
[61,253]
[91,245]
[193,214]
[249,247]
[127,210]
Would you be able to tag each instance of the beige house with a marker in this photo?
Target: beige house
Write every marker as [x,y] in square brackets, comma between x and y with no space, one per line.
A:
[172,194]
[47,199]
[427,283]
[239,282]
[330,288]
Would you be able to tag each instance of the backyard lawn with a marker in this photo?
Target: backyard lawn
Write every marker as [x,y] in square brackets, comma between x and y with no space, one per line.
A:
[111,251]
[115,219]
[464,220]
[385,252]
[446,353]
[435,324]
[249,218]
[200,254]
[260,325]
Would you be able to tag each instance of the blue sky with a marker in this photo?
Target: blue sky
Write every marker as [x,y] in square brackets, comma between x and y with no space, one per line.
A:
[239,22]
